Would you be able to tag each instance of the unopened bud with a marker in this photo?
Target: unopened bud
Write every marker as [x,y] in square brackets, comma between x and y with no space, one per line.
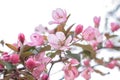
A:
[78,29]
[21,37]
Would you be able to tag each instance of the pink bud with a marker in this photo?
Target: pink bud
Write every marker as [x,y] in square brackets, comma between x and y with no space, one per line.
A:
[14,58]
[21,37]
[44,77]
[96,21]
[30,63]
[87,62]
[78,29]
[112,64]
[109,44]
[114,26]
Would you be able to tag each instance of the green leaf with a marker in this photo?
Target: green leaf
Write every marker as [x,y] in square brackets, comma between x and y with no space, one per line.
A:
[11,47]
[53,54]
[87,48]
[8,65]
[25,54]
[45,48]
[76,56]
[68,30]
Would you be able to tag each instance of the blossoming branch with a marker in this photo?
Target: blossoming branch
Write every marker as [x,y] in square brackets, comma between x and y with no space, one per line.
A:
[75,48]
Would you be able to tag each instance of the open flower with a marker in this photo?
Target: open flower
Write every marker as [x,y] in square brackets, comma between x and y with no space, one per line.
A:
[36,40]
[70,70]
[86,74]
[38,64]
[59,16]
[59,41]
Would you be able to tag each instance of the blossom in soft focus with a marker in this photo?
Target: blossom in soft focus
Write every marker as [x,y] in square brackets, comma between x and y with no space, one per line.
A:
[112,64]
[114,26]
[21,37]
[86,74]
[36,40]
[109,44]
[71,71]
[59,41]
[41,62]
[30,63]
[86,62]
[96,21]
[40,29]
[90,33]
[5,56]
[45,76]
[14,58]
[78,29]
[59,15]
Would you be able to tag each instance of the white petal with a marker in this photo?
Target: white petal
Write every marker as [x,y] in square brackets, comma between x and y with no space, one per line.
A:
[52,39]
[68,40]
[60,36]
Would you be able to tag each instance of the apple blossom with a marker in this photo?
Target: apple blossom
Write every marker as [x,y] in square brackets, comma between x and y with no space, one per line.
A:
[86,74]
[59,41]
[14,58]
[36,40]
[59,15]
[109,44]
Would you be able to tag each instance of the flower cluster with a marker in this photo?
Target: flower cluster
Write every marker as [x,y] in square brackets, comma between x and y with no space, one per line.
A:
[75,47]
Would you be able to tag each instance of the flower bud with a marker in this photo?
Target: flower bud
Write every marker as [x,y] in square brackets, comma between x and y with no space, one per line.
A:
[114,26]
[30,63]
[21,37]
[112,64]
[87,62]
[96,21]
[78,29]
[44,77]
[109,44]
[14,58]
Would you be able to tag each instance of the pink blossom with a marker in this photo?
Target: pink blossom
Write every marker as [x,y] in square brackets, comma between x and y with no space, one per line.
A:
[78,29]
[44,76]
[14,58]
[90,33]
[59,41]
[94,44]
[59,15]
[87,73]
[114,26]
[5,56]
[41,61]
[96,21]
[109,44]
[86,62]
[70,71]
[112,64]
[30,63]
[36,39]
[21,37]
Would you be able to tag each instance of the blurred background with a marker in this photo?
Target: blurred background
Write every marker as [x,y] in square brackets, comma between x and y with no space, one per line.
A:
[24,15]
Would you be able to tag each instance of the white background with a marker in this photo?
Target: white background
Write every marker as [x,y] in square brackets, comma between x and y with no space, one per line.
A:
[23,15]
